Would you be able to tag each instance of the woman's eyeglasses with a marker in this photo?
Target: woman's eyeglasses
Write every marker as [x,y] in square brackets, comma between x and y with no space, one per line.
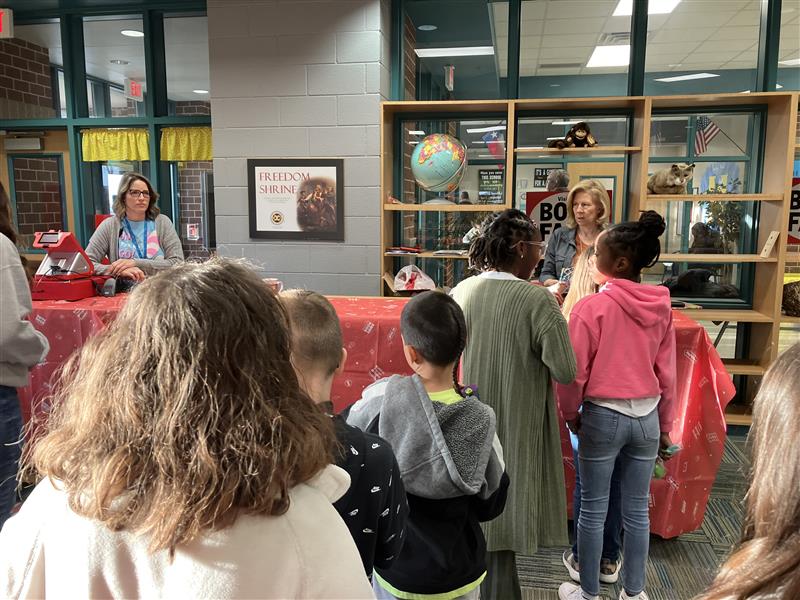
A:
[541,245]
[138,193]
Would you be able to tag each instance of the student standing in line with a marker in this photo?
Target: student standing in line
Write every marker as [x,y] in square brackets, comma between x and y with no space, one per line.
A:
[21,347]
[374,508]
[624,341]
[582,285]
[518,344]
[449,455]
[766,564]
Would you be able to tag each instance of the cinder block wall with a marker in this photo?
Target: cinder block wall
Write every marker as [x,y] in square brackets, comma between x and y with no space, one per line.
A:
[300,78]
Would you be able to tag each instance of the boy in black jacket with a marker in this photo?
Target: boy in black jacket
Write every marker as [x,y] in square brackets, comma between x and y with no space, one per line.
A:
[450,458]
[374,508]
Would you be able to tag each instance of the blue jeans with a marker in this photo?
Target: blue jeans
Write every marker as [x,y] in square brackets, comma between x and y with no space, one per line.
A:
[606,435]
[612,530]
[10,449]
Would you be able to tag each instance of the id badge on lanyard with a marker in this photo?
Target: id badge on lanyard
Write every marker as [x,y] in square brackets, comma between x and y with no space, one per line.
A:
[140,252]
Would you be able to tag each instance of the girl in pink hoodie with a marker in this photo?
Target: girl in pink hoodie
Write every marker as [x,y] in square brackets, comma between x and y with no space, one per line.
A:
[624,343]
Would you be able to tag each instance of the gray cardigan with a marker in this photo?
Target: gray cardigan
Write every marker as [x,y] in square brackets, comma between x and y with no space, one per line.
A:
[105,242]
[561,251]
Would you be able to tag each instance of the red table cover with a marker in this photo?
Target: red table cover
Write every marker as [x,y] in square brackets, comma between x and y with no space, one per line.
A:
[372,338]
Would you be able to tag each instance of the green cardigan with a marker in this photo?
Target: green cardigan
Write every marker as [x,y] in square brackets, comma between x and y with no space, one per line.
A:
[517,343]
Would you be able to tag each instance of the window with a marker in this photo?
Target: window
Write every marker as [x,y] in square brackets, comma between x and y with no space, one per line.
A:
[789,48]
[455,49]
[703,46]
[37,186]
[29,86]
[723,146]
[115,67]
[186,51]
[573,49]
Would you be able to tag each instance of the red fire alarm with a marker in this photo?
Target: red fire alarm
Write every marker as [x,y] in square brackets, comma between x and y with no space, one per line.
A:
[6,23]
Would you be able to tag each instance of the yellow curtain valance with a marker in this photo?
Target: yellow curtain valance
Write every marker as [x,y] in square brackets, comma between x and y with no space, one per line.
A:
[186,143]
[115,144]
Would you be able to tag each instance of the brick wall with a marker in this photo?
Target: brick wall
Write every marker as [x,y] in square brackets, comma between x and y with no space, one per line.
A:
[38,195]
[190,176]
[26,89]
[129,110]
[192,107]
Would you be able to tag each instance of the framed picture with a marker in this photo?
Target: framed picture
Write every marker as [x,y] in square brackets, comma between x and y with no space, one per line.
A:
[296,198]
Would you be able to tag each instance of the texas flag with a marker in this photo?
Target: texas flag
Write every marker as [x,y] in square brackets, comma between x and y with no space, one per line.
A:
[495,143]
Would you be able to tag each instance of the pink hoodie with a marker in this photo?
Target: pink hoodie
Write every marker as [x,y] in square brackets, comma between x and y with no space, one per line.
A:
[624,342]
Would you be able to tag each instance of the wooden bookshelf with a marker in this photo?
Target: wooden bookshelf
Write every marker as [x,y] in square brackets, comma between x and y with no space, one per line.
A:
[715,197]
[716,258]
[592,150]
[780,147]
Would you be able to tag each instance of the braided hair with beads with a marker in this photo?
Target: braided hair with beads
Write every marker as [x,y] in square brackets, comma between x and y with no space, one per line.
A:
[493,248]
[434,325]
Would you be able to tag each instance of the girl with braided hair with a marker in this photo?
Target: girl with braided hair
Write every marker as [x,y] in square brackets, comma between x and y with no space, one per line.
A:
[624,341]
[518,343]
[448,453]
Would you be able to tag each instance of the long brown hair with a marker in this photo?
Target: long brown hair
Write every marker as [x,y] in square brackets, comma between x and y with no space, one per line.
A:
[186,411]
[125,185]
[6,225]
[768,557]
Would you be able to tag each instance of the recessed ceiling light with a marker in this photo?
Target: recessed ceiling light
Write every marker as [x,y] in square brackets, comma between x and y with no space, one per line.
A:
[610,56]
[790,63]
[416,133]
[132,33]
[654,7]
[427,28]
[687,77]
[200,91]
[117,61]
[487,129]
[461,51]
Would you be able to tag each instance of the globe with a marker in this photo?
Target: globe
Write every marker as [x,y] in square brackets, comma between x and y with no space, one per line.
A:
[438,162]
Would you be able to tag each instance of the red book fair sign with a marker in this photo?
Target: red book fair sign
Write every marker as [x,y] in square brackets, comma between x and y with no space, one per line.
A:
[6,23]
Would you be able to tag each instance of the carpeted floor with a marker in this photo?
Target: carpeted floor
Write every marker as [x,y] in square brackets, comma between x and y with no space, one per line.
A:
[678,569]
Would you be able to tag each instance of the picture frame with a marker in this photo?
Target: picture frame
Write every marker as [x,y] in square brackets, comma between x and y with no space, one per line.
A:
[296,198]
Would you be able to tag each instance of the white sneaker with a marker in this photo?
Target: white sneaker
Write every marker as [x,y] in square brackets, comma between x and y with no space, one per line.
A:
[568,558]
[609,572]
[623,595]
[570,591]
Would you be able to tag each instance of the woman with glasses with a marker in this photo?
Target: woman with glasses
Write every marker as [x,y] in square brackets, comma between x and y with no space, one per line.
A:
[517,342]
[588,211]
[137,240]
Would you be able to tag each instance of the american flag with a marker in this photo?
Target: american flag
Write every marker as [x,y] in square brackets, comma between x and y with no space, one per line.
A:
[707,130]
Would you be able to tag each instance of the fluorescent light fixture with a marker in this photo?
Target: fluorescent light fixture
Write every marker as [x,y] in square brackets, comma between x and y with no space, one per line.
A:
[487,129]
[414,143]
[565,123]
[416,133]
[132,33]
[200,91]
[790,63]
[116,61]
[461,51]
[610,56]
[654,7]
[558,137]
[745,92]
[687,77]
[427,28]
[778,86]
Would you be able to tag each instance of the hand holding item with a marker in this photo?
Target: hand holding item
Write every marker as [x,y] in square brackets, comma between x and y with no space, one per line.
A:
[118,266]
[666,449]
[134,273]
[574,425]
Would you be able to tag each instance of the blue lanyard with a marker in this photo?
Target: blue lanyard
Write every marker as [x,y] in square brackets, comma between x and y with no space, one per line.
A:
[139,252]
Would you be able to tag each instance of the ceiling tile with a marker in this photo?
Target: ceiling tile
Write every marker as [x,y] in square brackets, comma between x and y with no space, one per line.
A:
[590,8]
[736,33]
[533,10]
[657,49]
[573,27]
[531,28]
[690,19]
[726,47]
[567,53]
[666,36]
[745,18]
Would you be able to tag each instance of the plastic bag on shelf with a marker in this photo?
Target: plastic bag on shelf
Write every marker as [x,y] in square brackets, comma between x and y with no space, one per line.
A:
[412,278]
